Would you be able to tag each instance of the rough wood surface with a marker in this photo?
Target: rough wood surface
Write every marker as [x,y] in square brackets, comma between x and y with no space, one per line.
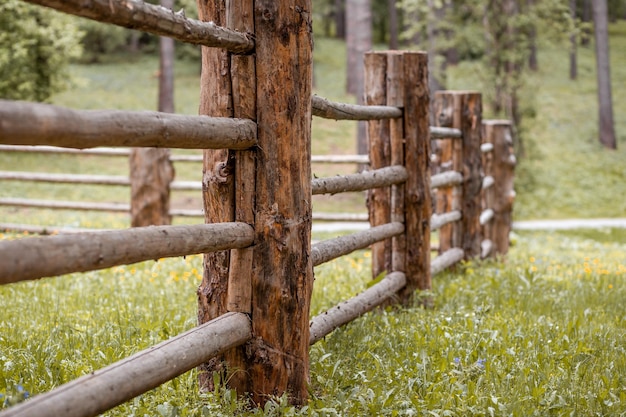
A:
[134,14]
[349,310]
[395,97]
[378,199]
[23,123]
[151,173]
[108,387]
[418,203]
[446,179]
[500,195]
[450,152]
[486,216]
[471,126]
[366,180]
[446,260]
[217,179]
[343,111]
[33,258]
[328,250]
[277,358]
[437,132]
[439,220]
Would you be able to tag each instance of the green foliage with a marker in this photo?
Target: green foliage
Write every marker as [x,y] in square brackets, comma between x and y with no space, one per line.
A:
[36,45]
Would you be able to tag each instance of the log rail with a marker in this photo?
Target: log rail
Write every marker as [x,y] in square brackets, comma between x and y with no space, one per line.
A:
[398,183]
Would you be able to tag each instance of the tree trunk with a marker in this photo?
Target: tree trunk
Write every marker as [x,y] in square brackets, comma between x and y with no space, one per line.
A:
[533,64]
[573,54]
[151,173]
[587,17]
[393,24]
[166,70]
[340,19]
[359,40]
[606,129]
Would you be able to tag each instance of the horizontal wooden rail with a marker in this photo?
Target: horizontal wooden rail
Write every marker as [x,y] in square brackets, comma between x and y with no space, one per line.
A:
[486,246]
[439,220]
[340,217]
[486,147]
[42,230]
[488,181]
[88,179]
[365,180]
[343,111]
[334,248]
[341,159]
[445,133]
[65,205]
[33,258]
[446,260]
[134,14]
[486,216]
[56,149]
[446,179]
[24,123]
[186,212]
[108,387]
[349,310]
[64,178]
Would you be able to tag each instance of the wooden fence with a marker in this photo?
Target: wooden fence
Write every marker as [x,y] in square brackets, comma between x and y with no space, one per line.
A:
[255,295]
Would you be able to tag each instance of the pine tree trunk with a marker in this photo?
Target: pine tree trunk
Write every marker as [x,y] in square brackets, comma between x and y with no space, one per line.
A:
[606,129]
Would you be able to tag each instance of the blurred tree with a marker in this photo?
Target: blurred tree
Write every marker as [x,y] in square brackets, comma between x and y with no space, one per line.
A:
[358,41]
[36,46]
[606,129]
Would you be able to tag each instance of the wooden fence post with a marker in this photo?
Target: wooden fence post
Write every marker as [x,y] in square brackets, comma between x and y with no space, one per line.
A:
[378,199]
[272,281]
[400,79]
[499,164]
[461,110]
[417,194]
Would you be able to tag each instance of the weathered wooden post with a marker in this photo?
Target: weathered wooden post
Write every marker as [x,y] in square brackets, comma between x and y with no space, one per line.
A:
[417,200]
[269,187]
[461,110]
[498,195]
[379,135]
[400,79]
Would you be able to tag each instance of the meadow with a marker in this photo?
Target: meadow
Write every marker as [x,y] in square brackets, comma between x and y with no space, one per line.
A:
[540,332]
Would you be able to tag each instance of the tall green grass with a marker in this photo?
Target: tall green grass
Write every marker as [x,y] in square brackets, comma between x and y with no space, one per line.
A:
[543,333]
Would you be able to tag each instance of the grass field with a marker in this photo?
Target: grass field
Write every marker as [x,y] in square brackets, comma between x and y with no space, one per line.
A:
[540,333]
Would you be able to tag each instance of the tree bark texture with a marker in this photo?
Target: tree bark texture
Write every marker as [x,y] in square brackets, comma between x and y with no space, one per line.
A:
[276,198]
[462,110]
[25,259]
[166,68]
[606,129]
[156,20]
[151,173]
[24,123]
[417,193]
[378,199]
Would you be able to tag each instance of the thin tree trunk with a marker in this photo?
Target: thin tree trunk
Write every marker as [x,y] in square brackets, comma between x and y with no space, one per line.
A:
[151,170]
[533,63]
[587,17]
[606,129]
[359,40]
[573,54]
[393,24]
[340,19]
